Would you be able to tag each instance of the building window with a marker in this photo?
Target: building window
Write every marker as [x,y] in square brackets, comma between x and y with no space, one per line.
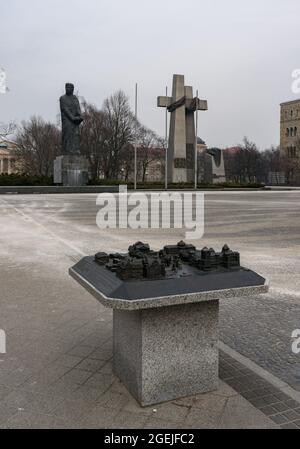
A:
[287,132]
[292,132]
[295,131]
[292,152]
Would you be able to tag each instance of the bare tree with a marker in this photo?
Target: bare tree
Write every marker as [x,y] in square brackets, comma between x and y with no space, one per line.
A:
[127,162]
[121,131]
[38,143]
[94,134]
[243,164]
[150,149]
[6,130]
[270,162]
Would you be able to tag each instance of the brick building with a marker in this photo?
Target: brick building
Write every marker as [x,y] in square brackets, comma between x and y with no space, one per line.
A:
[290,139]
[290,128]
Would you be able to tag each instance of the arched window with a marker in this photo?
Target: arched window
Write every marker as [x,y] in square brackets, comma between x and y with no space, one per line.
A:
[291,113]
[287,132]
[295,131]
[292,132]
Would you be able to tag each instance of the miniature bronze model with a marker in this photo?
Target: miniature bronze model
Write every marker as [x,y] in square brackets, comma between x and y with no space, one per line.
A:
[172,261]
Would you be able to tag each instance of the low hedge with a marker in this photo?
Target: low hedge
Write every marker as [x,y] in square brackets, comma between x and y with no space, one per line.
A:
[25,180]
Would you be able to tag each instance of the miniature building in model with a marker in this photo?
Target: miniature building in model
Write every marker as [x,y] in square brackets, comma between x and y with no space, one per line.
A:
[102,258]
[230,259]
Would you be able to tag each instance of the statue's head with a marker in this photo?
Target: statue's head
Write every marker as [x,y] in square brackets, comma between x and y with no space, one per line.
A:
[69,89]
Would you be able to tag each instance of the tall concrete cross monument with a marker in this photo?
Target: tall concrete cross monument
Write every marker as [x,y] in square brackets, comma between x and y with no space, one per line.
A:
[181,152]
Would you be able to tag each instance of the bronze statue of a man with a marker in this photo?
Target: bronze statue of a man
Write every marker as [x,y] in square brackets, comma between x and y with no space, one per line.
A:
[71,118]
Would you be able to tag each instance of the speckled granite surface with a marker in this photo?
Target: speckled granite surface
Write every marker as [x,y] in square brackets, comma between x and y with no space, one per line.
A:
[225,289]
[167,353]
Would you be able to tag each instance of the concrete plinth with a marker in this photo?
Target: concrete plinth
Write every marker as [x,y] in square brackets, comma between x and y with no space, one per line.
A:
[71,171]
[167,353]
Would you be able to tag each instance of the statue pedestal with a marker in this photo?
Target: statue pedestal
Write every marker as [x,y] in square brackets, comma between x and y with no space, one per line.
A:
[71,170]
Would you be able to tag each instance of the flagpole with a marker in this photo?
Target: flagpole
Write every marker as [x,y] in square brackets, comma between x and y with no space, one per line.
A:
[167,146]
[135,146]
[196,145]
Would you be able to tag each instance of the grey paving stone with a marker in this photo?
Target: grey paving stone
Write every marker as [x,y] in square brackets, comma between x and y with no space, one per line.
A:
[291,415]
[203,418]
[270,400]
[297,423]
[69,361]
[101,354]
[6,412]
[86,393]
[160,424]
[132,406]
[268,410]
[281,407]
[114,400]
[29,420]
[172,412]
[127,420]
[279,419]
[73,409]
[98,418]
[258,402]
[31,402]
[91,365]
[238,415]
[99,380]
[14,378]
[293,404]
[76,376]
[290,426]
[4,391]
[81,351]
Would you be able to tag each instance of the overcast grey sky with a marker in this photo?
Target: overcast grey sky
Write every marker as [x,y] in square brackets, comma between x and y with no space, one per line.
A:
[239,54]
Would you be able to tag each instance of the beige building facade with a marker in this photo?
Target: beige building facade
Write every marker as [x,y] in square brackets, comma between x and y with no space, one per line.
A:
[290,129]
[7,159]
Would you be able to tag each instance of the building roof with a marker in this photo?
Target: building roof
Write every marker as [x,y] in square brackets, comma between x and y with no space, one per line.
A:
[7,144]
[200,141]
[290,102]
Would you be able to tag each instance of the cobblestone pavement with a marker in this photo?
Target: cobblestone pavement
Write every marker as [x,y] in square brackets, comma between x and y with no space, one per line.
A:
[59,338]
[280,407]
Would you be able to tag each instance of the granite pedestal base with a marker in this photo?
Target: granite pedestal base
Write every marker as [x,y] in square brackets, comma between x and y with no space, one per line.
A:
[167,353]
[71,171]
